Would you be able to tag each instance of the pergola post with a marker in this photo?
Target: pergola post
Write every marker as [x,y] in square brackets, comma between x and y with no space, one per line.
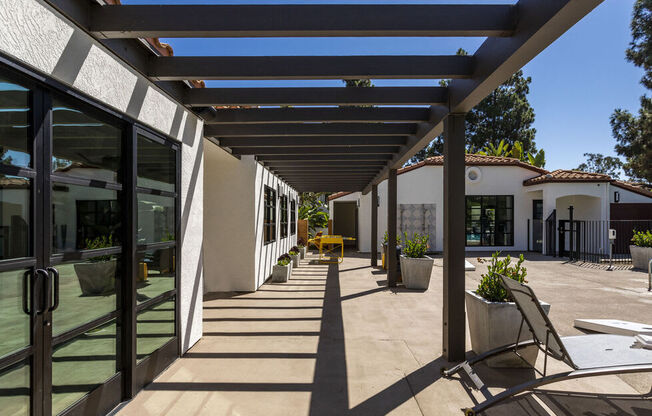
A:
[392,267]
[374,225]
[454,324]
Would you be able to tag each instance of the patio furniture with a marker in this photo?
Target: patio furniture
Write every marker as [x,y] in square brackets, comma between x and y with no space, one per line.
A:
[315,240]
[587,355]
[330,245]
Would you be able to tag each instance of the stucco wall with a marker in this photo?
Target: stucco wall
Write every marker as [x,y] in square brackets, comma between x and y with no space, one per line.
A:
[228,223]
[627,197]
[266,254]
[35,34]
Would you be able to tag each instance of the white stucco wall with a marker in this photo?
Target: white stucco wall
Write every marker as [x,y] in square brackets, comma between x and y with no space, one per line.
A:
[36,35]
[627,197]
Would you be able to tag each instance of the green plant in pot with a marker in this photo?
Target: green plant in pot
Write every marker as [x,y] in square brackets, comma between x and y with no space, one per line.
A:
[301,244]
[282,269]
[416,267]
[398,251]
[494,321]
[294,255]
[641,249]
[96,276]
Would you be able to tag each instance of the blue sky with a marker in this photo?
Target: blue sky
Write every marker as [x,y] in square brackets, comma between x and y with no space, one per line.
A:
[577,82]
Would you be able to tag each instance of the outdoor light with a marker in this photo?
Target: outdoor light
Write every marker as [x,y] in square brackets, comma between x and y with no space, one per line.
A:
[616,196]
[378,203]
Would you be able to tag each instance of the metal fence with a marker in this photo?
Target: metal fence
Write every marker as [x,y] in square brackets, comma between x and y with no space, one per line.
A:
[588,240]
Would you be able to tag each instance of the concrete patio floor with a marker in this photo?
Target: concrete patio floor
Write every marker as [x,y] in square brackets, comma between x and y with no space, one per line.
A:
[335,341]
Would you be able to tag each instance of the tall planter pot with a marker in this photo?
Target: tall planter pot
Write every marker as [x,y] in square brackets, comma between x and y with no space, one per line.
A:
[496,324]
[302,252]
[281,274]
[640,256]
[96,278]
[295,260]
[416,272]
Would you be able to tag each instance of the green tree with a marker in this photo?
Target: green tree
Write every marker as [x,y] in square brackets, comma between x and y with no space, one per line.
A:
[633,133]
[358,83]
[598,163]
[504,115]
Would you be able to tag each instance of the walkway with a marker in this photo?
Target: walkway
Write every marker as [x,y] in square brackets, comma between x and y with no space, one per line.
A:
[335,341]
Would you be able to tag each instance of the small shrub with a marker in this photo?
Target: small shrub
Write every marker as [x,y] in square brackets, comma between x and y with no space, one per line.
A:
[490,287]
[284,260]
[301,243]
[398,239]
[642,238]
[294,251]
[416,247]
[98,243]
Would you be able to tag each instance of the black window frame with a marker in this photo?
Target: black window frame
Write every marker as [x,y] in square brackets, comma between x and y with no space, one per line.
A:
[499,235]
[269,215]
[284,223]
[293,217]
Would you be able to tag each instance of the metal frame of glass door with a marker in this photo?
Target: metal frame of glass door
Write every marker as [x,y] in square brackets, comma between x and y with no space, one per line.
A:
[130,376]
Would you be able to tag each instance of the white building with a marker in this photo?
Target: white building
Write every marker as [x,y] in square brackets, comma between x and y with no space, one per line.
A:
[507,203]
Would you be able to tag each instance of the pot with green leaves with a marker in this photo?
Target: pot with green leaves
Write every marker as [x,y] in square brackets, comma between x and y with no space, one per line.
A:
[294,255]
[301,244]
[494,320]
[398,252]
[641,249]
[282,270]
[416,267]
[96,276]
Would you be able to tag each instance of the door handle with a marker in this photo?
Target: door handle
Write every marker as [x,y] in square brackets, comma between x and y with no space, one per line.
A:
[46,296]
[55,303]
[27,276]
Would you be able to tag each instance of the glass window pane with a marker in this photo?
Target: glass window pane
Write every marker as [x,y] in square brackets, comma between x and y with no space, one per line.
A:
[156,272]
[155,218]
[14,385]
[155,327]
[84,218]
[14,217]
[15,132]
[156,165]
[83,146]
[86,291]
[14,322]
[82,364]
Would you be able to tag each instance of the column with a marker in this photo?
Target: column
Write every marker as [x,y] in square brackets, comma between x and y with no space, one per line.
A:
[392,268]
[374,225]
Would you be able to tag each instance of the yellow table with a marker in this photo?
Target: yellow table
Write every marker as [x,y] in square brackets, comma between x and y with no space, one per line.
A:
[330,245]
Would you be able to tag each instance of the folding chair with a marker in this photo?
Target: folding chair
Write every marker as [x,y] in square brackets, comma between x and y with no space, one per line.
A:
[315,240]
[587,355]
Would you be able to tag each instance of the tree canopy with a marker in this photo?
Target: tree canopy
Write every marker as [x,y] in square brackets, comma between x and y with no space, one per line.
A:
[598,163]
[633,133]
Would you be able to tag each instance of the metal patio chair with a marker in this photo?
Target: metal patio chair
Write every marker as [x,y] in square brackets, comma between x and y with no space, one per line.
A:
[587,355]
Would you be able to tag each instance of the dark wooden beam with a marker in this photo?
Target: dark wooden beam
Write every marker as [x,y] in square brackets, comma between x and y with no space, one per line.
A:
[322,158]
[374,226]
[319,114]
[283,164]
[392,265]
[234,21]
[172,68]
[348,150]
[314,96]
[309,129]
[318,141]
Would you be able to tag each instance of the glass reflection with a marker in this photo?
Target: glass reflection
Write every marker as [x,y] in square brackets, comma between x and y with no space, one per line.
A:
[155,327]
[156,165]
[14,216]
[15,390]
[84,218]
[156,272]
[82,364]
[155,218]
[83,146]
[87,291]
[15,123]
[14,322]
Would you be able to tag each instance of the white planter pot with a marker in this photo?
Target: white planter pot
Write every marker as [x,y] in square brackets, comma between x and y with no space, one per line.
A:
[416,272]
[295,261]
[640,256]
[302,252]
[281,274]
[496,324]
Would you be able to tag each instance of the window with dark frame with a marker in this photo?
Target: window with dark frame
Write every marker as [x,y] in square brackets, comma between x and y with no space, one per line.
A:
[284,216]
[489,220]
[269,221]
[293,217]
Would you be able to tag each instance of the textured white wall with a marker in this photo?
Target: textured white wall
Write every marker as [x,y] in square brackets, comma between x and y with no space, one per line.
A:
[229,221]
[628,197]
[35,34]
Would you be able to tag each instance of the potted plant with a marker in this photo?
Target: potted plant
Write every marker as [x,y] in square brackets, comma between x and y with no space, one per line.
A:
[97,275]
[494,321]
[398,251]
[294,255]
[641,249]
[281,270]
[416,267]
[301,244]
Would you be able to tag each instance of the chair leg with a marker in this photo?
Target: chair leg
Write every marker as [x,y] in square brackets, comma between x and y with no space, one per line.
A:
[484,356]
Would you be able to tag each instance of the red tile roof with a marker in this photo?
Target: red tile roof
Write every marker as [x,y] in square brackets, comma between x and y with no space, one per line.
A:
[338,195]
[632,188]
[561,175]
[475,160]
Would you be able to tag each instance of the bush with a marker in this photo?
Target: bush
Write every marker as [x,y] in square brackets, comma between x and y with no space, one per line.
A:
[294,251]
[490,287]
[301,243]
[642,238]
[98,243]
[284,260]
[416,247]
[398,239]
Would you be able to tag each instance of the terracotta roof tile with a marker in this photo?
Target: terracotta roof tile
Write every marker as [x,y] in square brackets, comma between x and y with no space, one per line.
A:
[475,160]
[561,175]
[338,195]
[632,188]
